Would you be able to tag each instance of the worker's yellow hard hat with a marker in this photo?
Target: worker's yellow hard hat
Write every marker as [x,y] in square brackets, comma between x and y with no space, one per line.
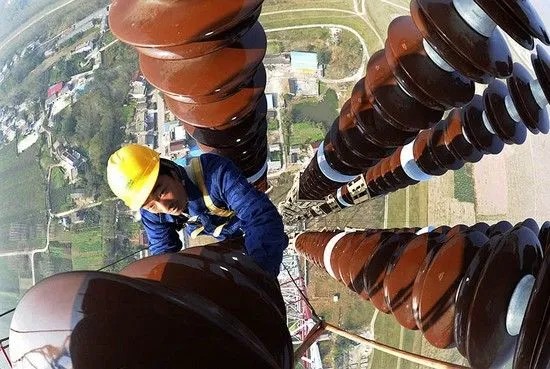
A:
[132,172]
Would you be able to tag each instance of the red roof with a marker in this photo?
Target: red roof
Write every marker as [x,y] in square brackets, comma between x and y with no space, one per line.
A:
[55,89]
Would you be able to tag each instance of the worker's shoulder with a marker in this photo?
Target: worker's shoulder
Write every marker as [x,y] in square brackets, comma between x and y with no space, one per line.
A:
[213,162]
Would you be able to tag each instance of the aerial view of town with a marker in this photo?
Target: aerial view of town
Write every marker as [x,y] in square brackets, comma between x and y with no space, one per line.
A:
[72,94]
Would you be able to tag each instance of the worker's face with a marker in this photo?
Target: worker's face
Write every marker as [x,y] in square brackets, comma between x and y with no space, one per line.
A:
[168,197]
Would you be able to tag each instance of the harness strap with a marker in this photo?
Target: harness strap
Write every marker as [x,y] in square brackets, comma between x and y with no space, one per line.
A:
[198,179]
[197,232]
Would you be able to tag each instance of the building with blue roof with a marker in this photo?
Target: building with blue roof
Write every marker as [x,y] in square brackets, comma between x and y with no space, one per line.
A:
[304,62]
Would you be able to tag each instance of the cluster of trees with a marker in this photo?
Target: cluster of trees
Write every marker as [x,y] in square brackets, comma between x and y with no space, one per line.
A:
[20,84]
[321,113]
[96,123]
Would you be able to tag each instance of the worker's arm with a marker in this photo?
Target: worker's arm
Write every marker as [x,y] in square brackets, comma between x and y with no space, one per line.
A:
[262,225]
[162,236]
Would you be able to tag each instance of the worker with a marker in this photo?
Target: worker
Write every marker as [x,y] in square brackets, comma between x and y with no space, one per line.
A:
[209,196]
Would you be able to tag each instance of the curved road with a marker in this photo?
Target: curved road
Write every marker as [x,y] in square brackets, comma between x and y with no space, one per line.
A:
[360,72]
[32,23]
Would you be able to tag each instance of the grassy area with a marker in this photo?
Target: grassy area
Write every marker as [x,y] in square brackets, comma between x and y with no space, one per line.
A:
[341,55]
[387,331]
[324,17]
[86,247]
[276,5]
[60,190]
[464,184]
[22,190]
[312,110]
[381,14]
[417,207]
[273,125]
[304,133]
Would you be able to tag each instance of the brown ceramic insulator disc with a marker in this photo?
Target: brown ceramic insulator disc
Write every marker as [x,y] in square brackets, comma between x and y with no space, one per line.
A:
[507,129]
[343,197]
[544,237]
[379,179]
[355,139]
[424,152]
[401,274]
[374,273]
[392,103]
[222,252]
[518,19]
[531,224]
[230,135]
[211,77]
[367,144]
[516,255]
[398,172]
[386,174]
[541,64]
[440,151]
[240,150]
[535,324]
[480,227]
[351,270]
[339,249]
[230,110]
[532,115]
[117,312]
[338,154]
[193,272]
[474,127]
[466,291]
[371,183]
[435,308]
[418,74]
[160,25]
[371,123]
[350,154]
[472,54]
[498,228]
[457,142]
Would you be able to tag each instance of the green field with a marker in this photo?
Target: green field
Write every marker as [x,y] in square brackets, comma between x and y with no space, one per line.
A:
[59,191]
[276,5]
[417,215]
[355,22]
[86,247]
[387,331]
[464,184]
[22,190]
[304,133]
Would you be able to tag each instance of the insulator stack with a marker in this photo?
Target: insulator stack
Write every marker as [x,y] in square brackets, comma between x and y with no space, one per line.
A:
[429,65]
[206,57]
[482,289]
[502,116]
[156,312]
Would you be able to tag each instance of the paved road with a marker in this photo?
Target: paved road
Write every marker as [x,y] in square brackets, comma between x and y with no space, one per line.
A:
[360,72]
[361,14]
[23,28]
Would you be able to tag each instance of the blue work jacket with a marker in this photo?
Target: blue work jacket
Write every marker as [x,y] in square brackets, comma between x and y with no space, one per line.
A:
[255,215]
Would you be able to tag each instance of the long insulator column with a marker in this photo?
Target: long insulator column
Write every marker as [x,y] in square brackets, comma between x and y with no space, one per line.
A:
[503,115]
[206,56]
[429,64]
[483,289]
[156,313]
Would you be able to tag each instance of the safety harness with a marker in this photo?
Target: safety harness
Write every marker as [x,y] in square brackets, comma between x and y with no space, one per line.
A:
[196,175]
